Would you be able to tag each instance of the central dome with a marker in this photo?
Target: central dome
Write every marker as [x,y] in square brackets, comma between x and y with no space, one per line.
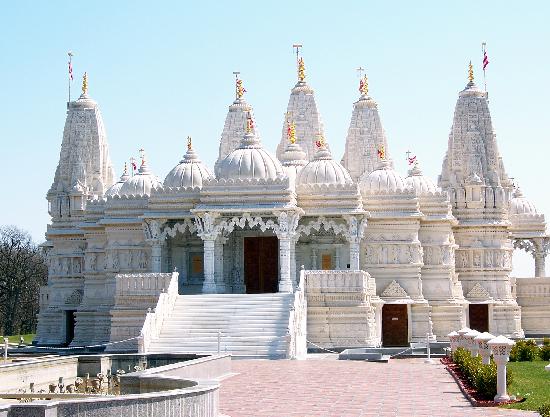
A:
[142,183]
[190,172]
[520,205]
[420,183]
[323,170]
[250,161]
[384,180]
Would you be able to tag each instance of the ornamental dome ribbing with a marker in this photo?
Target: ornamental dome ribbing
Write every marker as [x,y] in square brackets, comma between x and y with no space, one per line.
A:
[383,180]
[115,188]
[190,172]
[520,205]
[323,170]
[420,183]
[141,183]
[250,161]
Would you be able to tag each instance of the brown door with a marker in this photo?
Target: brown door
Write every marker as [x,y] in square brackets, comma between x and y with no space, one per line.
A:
[395,326]
[479,317]
[261,264]
[69,326]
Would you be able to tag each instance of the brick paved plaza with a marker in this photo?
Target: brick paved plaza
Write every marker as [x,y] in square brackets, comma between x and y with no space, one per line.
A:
[330,388]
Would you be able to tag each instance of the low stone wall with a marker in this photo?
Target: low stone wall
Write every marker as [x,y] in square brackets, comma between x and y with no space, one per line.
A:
[14,376]
[183,389]
[533,295]
[199,401]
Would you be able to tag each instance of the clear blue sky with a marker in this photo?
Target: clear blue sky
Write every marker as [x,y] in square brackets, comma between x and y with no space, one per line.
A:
[163,70]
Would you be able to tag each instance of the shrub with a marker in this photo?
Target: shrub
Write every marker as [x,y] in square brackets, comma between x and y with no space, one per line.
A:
[482,377]
[544,351]
[524,351]
[544,410]
[546,341]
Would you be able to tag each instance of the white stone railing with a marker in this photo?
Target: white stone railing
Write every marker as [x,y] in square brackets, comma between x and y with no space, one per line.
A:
[142,284]
[533,288]
[297,322]
[339,286]
[155,319]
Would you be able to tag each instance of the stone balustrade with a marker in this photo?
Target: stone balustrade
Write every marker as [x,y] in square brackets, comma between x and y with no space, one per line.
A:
[533,295]
[155,318]
[297,322]
[142,284]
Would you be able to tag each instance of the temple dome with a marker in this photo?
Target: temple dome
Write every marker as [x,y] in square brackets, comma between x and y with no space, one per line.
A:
[250,161]
[190,172]
[383,180]
[420,183]
[115,188]
[141,183]
[323,170]
[520,205]
[293,160]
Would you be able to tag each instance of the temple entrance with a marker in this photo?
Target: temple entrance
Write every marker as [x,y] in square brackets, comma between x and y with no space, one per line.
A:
[261,264]
[69,326]
[479,317]
[395,325]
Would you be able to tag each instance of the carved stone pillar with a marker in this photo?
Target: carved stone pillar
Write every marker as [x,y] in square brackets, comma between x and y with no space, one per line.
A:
[314,258]
[354,236]
[208,231]
[540,257]
[218,268]
[337,257]
[156,255]
[293,276]
[209,285]
[286,232]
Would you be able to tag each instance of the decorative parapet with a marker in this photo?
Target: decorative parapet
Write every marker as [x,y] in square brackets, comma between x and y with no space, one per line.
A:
[533,288]
[149,284]
[339,287]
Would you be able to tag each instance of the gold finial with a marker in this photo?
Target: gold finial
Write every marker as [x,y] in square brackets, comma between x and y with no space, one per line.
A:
[142,156]
[381,152]
[249,123]
[125,168]
[301,70]
[85,83]
[189,144]
[320,143]
[239,89]
[364,86]
[291,132]
[471,72]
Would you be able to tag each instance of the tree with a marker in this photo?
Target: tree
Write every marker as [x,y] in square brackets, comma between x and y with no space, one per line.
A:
[22,271]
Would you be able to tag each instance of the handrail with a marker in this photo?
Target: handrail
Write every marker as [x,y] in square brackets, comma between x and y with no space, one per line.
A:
[296,333]
[154,319]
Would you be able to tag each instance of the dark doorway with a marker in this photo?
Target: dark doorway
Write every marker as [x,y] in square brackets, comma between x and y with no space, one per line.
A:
[479,317]
[395,325]
[69,326]
[261,264]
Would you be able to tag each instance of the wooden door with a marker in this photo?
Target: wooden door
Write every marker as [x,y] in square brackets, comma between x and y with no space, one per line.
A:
[261,264]
[479,317]
[395,326]
[69,326]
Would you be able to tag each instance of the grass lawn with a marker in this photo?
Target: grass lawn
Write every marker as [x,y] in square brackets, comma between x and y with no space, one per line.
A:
[530,378]
[15,339]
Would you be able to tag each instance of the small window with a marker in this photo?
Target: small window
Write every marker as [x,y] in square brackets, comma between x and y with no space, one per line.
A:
[196,264]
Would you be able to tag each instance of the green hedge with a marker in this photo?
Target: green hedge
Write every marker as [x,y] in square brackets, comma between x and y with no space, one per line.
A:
[544,410]
[545,350]
[528,351]
[482,377]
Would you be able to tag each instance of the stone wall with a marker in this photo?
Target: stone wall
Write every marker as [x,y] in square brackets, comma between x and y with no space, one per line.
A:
[533,295]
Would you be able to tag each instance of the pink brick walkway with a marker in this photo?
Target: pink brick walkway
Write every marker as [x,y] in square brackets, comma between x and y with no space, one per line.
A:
[331,388]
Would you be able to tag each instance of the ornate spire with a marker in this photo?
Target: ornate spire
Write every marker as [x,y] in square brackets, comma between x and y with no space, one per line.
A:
[470,72]
[364,86]
[142,156]
[381,152]
[85,84]
[301,70]
[189,143]
[125,173]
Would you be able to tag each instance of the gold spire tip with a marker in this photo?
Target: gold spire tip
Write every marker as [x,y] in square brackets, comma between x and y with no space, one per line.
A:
[189,143]
[364,86]
[291,132]
[471,72]
[239,89]
[301,70]
[85,83]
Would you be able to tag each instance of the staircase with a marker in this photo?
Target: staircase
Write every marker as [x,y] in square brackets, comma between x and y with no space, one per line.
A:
[251,325]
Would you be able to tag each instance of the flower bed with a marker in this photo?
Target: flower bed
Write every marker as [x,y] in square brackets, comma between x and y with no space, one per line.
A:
[477,374]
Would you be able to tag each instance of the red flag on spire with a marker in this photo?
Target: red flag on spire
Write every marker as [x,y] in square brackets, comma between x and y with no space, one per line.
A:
[485,60]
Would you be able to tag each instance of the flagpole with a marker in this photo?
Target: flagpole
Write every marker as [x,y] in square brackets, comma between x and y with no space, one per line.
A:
[70,73]
[483,50]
